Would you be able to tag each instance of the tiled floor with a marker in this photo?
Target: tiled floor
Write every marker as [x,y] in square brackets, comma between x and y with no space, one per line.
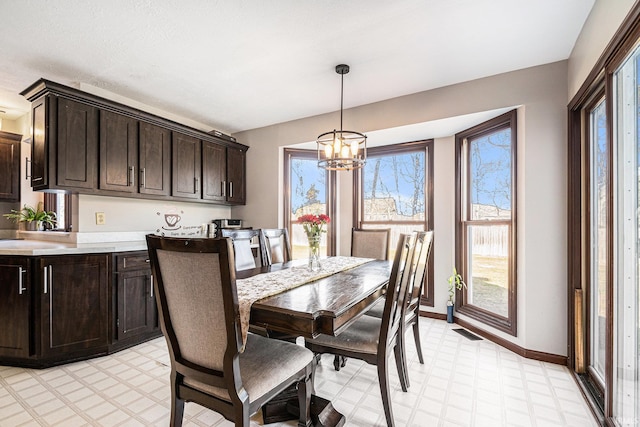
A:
[462,383]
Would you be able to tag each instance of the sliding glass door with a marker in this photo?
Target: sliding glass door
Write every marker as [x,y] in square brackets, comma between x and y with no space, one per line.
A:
[626,350]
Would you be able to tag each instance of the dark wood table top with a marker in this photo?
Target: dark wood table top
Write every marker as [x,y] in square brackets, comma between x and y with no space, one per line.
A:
[325,306]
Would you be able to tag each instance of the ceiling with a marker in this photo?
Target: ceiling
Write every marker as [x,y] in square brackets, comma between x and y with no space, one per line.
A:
[234,65]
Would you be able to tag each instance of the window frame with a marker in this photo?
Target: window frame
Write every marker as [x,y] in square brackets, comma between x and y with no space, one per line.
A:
[330,184]
[426,146]
[51,204]
[462,207]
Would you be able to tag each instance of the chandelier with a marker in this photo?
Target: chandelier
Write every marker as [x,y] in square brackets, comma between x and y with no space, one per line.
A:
[342,149]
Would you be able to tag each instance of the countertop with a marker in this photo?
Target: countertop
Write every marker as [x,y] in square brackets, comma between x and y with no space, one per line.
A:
[40,247]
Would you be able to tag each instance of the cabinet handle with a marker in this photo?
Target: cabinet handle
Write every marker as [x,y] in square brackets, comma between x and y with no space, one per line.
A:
[195,188]
[20,273]
[143,181]
[27,169]
[224,188]
[132,176]
[46,280]
[230,188]
[151,287]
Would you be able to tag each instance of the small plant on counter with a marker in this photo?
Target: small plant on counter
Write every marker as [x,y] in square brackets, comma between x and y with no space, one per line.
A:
[35,218]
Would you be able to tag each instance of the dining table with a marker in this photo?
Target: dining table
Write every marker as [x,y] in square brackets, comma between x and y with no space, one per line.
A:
[323,302]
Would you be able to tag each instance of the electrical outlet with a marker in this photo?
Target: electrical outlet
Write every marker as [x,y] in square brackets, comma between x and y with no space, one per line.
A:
[101,219]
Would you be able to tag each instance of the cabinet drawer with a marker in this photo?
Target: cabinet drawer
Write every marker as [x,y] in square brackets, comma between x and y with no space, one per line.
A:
[132,261]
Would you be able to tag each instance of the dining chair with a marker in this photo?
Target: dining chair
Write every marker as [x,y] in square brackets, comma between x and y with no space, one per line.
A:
[276,244]
[370,243]
[371,339]
[198,308]
[419,264]
[366,243]
[244,242]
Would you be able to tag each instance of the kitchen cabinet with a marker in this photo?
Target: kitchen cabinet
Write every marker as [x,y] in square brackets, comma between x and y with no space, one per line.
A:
[236,173]
[9,167]
[15,306]
[155,160]
[136,317]
[86,144]
[74,311]
[187,169]
[223,173]
[64,148]
[118,152]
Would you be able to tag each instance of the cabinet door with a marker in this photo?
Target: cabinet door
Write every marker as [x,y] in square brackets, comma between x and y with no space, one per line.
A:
[15,307]
[136,304]
[155,160]
[118,152]
[77,144]
[39,148]
[185,177]
[236,160]
[9,167]
[214,171]
[74,303]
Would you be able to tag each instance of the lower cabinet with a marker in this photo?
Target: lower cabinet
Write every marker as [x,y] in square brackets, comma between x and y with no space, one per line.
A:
[15,306]
[136,316]
[74,306]
[58,309]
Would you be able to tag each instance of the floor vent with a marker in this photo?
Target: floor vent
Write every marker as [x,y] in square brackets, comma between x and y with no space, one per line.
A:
[468,334]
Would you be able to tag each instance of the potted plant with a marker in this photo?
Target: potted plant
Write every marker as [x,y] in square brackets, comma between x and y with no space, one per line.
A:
[34,219]
[455,282]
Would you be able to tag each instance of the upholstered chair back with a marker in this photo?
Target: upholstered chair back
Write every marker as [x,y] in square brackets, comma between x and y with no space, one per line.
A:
[277,245]
[370,243]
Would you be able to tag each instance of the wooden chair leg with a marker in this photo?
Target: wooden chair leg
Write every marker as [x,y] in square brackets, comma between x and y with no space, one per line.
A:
[401,365]
[416,338]
[177,405]
[383,379]
[339,362]
[305,389]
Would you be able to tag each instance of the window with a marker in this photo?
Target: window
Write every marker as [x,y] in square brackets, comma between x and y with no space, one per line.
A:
[485,221]
[308,190]
[394,190]
[60,203]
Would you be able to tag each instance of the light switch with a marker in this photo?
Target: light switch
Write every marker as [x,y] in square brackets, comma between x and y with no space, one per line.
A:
[100,218]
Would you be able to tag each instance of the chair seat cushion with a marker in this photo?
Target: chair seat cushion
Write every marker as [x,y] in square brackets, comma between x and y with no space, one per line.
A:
[265,364]
[361,336]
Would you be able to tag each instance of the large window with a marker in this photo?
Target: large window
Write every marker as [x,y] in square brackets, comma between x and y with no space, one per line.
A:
[308,190]
[394,190]
[485,221]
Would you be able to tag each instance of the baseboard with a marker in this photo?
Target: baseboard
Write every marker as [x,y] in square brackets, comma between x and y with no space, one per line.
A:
[431,315]
[529,354]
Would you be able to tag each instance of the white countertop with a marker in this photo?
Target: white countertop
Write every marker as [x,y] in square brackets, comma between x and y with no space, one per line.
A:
[40,247]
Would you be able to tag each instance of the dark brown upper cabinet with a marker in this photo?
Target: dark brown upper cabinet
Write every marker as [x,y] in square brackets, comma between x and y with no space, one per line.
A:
[87,144]
[236,173]
[223,173]
[10,167]
[64,148]
[118,152]
[155,160]
[214,171]
[187,169]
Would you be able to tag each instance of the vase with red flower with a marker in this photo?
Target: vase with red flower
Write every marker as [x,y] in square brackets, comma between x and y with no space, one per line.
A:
[314,227]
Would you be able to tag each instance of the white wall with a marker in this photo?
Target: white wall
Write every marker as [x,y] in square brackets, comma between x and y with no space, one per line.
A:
[124,214]
[602,23]
[541,94]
